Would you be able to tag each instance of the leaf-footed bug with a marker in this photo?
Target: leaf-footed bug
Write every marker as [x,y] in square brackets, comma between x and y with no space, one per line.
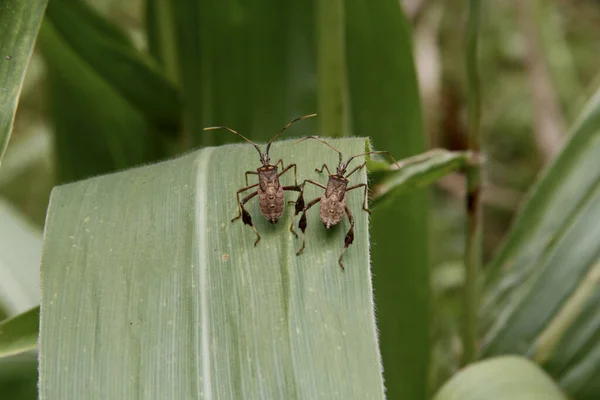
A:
[333,200]
[269,191]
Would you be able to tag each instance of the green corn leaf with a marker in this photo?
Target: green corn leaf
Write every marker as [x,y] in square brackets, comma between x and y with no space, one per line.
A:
[108,52]
[150,291]
[502,378]
[19,334]
[332,90]
[540,301]
[385,106]
[20,21]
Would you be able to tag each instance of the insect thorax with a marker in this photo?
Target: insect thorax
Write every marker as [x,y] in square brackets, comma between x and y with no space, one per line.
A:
[336,185]
[268,176]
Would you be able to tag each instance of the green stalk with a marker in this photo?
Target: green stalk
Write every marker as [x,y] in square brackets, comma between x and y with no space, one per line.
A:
[334,115]
[473,172]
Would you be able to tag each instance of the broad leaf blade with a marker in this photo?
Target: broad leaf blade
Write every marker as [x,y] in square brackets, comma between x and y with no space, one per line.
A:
[503,378]
[145,265]
[19,334]
[20,21]
[385,106]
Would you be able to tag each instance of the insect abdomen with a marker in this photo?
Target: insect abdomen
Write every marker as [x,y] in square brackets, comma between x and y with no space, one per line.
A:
[271,203]
[332,210]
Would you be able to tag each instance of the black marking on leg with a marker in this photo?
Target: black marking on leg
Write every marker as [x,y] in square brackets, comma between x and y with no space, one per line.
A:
[299,204]
[246,217]
[349,237]
[302,223]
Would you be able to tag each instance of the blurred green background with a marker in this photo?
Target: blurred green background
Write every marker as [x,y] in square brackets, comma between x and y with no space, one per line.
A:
[255,66]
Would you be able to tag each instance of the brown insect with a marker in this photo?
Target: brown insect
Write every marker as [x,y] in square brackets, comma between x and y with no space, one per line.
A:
[269,191]
[333,200]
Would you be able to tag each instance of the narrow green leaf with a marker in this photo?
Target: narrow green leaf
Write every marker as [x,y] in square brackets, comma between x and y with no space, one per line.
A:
[548,340]
[19,334]
[568,348]
[145,265]
[385,106]
[96,129]
[414,172]
[333,78]
[539,302]
[502,378]
[20,21]
[547,195]
[107,51]
[575,359]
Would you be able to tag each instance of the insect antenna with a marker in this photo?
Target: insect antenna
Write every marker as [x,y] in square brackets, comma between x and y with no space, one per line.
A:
[285,127]
[322,141]
[212,128]
[374,152]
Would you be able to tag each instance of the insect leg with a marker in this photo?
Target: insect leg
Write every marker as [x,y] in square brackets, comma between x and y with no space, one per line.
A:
[287,169]
[246,218]
[366,203]
[237,194]
[349,236]
[314,183]
[322,168]
[302,223]
[356,169]
[300,202]
[251,173]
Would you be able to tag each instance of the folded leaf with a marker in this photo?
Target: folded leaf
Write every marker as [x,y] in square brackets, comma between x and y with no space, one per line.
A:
[414,172]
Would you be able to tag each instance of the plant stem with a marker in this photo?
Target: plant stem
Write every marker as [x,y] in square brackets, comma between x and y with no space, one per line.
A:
[333,99]
[473,175]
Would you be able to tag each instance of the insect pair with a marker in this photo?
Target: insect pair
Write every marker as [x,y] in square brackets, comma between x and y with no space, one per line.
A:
[271,192]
